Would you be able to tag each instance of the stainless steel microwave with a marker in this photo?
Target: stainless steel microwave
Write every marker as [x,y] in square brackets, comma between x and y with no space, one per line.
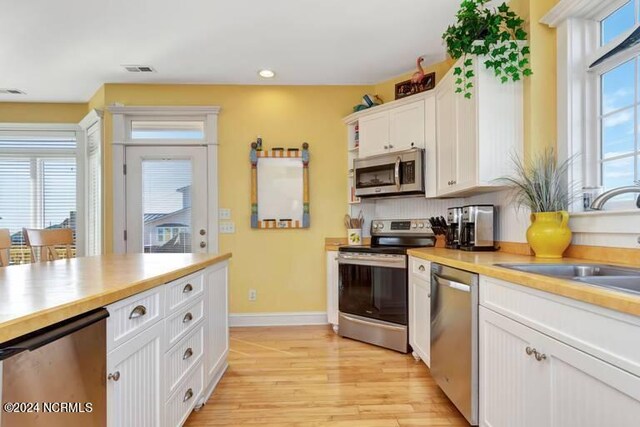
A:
[390,174]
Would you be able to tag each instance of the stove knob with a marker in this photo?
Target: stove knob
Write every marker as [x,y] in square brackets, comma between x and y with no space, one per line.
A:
[421,225]
[414,225]
[380,226]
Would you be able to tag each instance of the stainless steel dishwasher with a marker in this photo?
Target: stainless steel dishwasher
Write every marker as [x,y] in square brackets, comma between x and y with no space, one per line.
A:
[454,337]
[55,376]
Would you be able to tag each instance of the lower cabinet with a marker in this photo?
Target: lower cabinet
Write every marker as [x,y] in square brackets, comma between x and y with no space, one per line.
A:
[528,378]
[420,309]
[420,318]
[168,365]
[217,326]
[135,380]
[333,282]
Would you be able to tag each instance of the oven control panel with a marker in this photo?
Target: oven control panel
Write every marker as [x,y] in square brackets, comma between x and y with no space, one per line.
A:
[404,226]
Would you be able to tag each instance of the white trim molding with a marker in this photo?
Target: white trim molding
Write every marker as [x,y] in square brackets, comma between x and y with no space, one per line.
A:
[583,9]
[278,319]
[121,138]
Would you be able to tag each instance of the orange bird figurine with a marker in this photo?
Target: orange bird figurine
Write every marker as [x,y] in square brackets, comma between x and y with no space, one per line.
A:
[418,75]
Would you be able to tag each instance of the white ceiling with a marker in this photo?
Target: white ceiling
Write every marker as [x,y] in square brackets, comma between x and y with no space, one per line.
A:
[63,50]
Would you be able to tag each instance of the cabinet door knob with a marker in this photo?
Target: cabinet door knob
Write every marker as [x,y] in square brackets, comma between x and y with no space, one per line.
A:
[530,351]
[386,147]
[188,395]
[390,146]
[421,268]
[540,356]
[138,311]
[203,245]
[187,318]
[115,376]
[187,353]
[187,288]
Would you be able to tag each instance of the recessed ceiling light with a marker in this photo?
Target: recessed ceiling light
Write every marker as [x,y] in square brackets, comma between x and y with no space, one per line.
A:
[266,74]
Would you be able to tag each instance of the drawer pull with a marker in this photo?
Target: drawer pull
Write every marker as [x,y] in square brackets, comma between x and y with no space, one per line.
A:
[187,318]
[188,395]
[139,311]
[421,268]
[115,376]
[530,351]
[540,356]
[187,288]
[187,354]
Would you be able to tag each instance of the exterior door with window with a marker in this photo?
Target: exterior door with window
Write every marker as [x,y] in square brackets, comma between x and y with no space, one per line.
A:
[166,199]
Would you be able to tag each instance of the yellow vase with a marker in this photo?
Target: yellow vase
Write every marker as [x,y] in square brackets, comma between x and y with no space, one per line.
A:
[549,234]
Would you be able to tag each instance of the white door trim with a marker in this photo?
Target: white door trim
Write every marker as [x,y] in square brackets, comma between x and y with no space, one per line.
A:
[122,115]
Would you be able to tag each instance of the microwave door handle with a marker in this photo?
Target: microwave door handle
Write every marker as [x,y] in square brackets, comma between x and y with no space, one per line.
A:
[397,173]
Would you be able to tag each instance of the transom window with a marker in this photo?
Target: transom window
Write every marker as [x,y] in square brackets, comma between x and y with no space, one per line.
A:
[619,102]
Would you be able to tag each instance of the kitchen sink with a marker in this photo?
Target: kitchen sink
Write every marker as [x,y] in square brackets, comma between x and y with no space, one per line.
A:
[625,279]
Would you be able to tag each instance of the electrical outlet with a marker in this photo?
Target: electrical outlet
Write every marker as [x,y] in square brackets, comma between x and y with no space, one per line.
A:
[224,213]
[253,295]
[227,227]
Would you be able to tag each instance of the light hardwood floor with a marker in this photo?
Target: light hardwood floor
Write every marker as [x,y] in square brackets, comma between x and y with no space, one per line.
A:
[308,376]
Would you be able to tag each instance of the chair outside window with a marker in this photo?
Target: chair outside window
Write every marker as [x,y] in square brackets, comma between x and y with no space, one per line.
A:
[49,244]
[5,247]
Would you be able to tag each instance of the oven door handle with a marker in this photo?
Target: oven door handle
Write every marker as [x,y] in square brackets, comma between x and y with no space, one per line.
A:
[378,325]
[368,258]
[396,173]
[452,284]
[372,261]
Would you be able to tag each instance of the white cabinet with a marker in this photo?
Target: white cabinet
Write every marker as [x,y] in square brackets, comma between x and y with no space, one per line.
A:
[477,137]
[374,134]
[167,349]
[333,282]
[420,309]
[406,126]
[217,325]
[420,318]
[134,383]
[530,379]
[397,127]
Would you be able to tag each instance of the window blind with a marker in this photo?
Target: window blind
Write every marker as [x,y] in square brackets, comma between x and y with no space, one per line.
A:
[37,184]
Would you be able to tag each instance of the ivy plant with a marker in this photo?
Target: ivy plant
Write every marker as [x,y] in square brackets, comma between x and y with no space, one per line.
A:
[497,34]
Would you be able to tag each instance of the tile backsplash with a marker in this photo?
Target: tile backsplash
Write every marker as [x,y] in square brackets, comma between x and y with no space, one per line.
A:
[511,225]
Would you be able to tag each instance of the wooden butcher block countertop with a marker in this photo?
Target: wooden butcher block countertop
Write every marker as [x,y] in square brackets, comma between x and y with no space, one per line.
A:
[33,296]
[484,263]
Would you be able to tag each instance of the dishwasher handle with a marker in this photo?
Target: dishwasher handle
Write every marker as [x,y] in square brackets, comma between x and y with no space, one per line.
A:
[51,333]
[452,284]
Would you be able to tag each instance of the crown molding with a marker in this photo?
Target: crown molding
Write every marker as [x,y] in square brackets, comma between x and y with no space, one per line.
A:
[584,9]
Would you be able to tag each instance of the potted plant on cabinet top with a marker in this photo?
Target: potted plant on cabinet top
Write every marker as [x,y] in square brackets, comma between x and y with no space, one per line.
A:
[496,34]
[540,185]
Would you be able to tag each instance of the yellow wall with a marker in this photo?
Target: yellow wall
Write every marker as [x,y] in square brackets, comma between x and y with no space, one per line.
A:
[386,89]
[286,267]
[28,112]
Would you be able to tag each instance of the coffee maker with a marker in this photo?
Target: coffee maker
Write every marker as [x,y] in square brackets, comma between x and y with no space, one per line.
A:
[454,225]
[478,228]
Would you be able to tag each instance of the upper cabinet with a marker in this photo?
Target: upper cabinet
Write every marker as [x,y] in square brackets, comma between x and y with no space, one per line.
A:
[394,129]
[477,137]
[374,134]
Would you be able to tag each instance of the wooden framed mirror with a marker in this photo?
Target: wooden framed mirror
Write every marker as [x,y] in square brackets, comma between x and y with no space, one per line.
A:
[280,188]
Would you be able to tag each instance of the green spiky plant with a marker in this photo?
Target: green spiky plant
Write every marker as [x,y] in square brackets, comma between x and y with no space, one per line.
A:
[495,33]
[540,184]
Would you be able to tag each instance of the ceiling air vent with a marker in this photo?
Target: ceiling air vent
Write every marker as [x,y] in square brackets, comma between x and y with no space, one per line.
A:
[139,69]
[5,91]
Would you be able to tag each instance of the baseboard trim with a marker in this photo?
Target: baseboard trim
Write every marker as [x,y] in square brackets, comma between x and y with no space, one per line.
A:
[278,319]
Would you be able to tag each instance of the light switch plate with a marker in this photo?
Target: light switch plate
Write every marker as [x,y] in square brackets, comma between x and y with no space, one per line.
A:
[227,227]
[224,213]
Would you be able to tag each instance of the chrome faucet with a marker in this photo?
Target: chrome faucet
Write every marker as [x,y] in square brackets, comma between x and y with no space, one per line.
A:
[599,201]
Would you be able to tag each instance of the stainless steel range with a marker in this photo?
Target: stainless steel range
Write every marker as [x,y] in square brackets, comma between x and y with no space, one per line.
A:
[373,297]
